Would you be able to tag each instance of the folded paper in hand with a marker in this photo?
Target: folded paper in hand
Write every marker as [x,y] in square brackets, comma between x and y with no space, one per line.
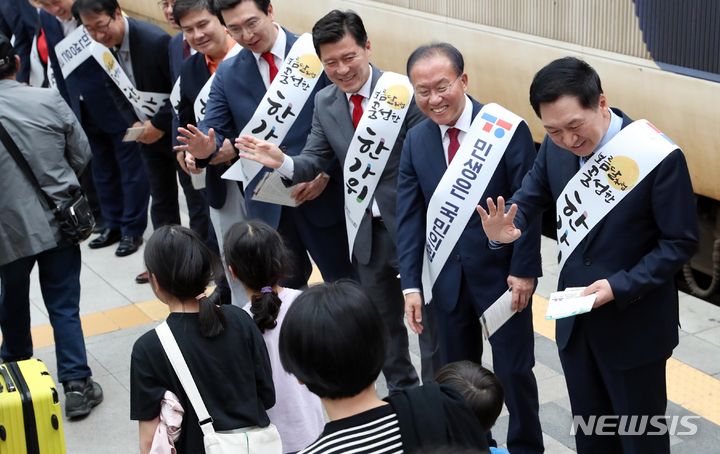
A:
[271,189]
[131,134]
[568,303]
[497,314]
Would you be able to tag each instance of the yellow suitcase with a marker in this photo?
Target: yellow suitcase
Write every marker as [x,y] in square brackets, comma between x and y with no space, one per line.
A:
[30,414]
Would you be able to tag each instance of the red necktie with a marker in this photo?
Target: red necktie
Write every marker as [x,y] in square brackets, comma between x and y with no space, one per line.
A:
[454,143]
[271,62]
[42,47]
[186,49]
[357,109]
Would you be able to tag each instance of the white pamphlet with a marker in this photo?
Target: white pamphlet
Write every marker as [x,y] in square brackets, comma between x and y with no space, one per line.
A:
[271,189]
[568,303]
[133,133]
[497,314]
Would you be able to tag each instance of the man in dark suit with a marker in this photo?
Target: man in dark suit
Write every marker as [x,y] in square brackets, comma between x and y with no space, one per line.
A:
[473,277]
[117,168]
[317,225]
[342,44]
[204,33]
[141,49]
[613,356]
[19,20]
[178,51]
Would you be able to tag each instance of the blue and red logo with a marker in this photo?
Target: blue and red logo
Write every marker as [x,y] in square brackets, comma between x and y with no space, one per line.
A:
[652,126]
[500,125]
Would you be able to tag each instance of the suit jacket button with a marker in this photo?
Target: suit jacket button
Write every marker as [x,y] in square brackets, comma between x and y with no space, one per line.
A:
[588,262]
[457,258]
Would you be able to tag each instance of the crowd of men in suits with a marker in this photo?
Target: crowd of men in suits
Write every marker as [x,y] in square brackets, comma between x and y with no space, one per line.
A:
[613,357]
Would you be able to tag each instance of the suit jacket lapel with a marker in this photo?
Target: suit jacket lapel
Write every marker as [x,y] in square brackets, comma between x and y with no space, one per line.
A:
[341,109]
[341,114]
[135,49]
[250,76]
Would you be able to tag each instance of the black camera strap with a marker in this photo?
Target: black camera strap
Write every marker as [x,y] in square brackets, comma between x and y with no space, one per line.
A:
[14,151]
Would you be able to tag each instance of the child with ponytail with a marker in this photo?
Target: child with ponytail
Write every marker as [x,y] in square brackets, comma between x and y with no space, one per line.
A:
[223,349]
[256,256]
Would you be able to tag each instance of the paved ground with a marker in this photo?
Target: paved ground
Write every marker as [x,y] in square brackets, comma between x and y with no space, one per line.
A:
[116,311]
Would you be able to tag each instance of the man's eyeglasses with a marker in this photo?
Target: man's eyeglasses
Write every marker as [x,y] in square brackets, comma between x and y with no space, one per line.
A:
[440,89]
[100,28]
[250,26]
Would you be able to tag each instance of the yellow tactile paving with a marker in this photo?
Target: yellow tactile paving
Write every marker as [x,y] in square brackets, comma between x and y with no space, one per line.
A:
[542,326]
[694,390]
[688,387]
[154,309]
[128,316]
[96,323]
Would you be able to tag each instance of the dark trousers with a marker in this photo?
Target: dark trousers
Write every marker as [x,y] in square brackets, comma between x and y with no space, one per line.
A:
[459,338]
[160,168]
[324,244]
[59,271]
[120,180]
[198,210]
[379,279]
[597,389]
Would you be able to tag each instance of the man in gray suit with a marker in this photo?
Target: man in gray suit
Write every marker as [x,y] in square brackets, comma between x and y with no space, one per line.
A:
[341,43]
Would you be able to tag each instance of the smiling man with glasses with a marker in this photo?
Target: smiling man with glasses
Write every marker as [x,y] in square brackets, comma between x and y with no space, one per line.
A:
[141,50]
[450,162]
[117,168]
[240,85]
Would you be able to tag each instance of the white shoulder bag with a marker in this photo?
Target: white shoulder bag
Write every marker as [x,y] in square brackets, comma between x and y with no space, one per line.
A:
[260,440]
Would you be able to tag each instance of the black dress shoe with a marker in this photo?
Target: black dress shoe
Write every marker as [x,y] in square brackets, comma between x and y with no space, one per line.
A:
[107,237]
[128,245]
[142,278]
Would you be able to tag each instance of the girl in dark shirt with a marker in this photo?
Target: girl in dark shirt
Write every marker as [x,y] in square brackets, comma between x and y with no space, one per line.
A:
[223,348]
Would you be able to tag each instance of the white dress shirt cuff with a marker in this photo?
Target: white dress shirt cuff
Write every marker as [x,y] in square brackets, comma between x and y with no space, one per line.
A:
[408,291]
[287,168]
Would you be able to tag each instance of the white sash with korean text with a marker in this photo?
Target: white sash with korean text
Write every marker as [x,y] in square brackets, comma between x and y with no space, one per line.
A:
[462,185]
[202,97]
[146,104]
[73,50]
[371,146]
[605,179]
[281,104]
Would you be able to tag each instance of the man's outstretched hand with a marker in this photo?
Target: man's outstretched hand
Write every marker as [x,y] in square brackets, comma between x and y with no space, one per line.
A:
[196,142]
[498,224]
[260,151]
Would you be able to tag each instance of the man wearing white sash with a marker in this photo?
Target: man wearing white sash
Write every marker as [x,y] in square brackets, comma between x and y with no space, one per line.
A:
[626,224]
[240,86]
[342,44]
[462,151]
[136,59]
[117,168]
[197,206]
[209,38]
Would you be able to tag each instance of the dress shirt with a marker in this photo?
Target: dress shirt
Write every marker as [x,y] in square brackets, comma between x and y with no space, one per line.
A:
[123,52]
[68,26]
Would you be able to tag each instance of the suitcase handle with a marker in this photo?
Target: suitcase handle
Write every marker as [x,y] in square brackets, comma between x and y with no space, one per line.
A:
[6,376]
